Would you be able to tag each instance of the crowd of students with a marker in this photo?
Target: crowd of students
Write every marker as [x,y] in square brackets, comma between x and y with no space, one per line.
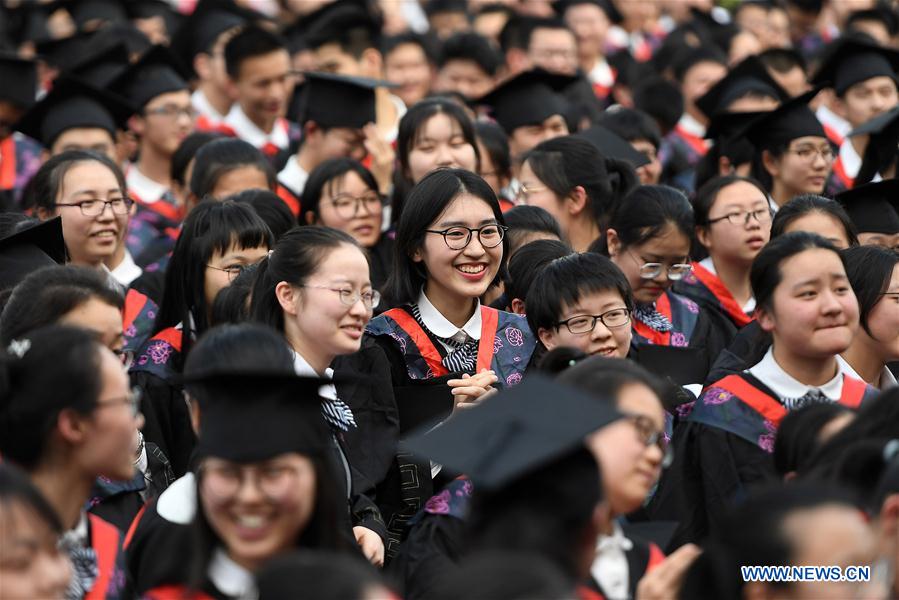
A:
[448,298]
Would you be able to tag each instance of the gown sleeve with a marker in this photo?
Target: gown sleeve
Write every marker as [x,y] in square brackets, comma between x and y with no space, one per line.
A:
[712,470]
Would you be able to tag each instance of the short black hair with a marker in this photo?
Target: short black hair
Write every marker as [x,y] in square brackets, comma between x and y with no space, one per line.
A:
[869,269]
[526,265]
[350,26]
[186,151]
[660,99]
[881,14]
[495,141]
[565,280]
[632,124]
[783,60]
[252,41]
[438,7]
[532,25]
[695,57]
[707,195]
[473,47]
[524,219]
[648,210]
[218,157]
[427,44]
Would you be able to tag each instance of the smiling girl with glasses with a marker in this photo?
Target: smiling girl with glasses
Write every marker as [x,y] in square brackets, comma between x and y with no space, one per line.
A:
[444,349]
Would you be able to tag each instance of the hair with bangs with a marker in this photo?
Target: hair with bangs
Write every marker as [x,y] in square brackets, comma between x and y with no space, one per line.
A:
[328,177]
[566,280]
[426,202]
[209,228]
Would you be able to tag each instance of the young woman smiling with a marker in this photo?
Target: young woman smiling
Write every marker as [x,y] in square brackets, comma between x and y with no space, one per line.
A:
[342,194]
[445,349]
[733,224]
[315,287]
[435,133]
[806,304]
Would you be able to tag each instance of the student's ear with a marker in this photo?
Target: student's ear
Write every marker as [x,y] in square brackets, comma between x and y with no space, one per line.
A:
[547,338]
[765,319]
[194,407]
[43,213]
[202,67]
[518,306]
[770,163]
[577,201]
[517,61]
[137,125]
[71,426]
[310,130]
[231,89]
[702,234]
[613,242]
[372,63]
[288,297]
[310,218]
[417,256]
[838,106]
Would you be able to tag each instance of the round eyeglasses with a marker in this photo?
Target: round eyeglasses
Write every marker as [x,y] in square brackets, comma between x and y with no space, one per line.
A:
[762,215]
[95,208]
[347,207]
[650,436]
[132,400]
[458,237]
[581,324]
[651,270]
[349,297]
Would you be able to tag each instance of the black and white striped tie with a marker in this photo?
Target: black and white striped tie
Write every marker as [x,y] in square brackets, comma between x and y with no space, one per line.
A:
[464,353]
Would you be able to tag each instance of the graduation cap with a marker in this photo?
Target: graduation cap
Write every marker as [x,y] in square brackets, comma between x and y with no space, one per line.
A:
[750,76]
[792,119]
[612,145]
[157,72]
[883,143]
[849,60]
[607,6]
[30,248]
[724,130]
[873,207]
[71,104]
[120,33]
[337,100]
[199,31]
[64,52]
[514,432]
[19,77]
[528,98]
[101,66]
[255,415]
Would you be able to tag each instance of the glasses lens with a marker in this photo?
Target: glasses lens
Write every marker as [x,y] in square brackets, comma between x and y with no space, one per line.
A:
[375,299]
[221,482]
[616,318]
[491,236]
[580,324]
[679,271]
[457,237]
[650,270]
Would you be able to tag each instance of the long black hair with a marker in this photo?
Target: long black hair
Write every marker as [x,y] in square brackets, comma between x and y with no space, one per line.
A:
[564,163]
[294,259]
[209,228]
[426,202]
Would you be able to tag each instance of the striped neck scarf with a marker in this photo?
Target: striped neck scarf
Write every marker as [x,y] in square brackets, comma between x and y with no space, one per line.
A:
[464,353]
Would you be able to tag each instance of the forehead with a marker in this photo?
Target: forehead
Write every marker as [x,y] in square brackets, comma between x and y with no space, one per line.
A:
[466,208]
[181,97]
[555,35]
[809,264]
